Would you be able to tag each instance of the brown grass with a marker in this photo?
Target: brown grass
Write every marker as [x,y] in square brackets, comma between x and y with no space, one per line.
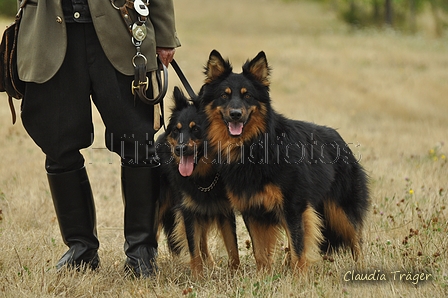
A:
[385,92]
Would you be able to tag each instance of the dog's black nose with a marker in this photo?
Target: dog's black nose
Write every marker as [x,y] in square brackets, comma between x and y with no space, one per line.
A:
[180,149]
[236,114]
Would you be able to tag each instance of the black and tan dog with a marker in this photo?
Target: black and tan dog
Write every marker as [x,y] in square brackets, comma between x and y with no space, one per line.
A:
[193,197]
[278,172]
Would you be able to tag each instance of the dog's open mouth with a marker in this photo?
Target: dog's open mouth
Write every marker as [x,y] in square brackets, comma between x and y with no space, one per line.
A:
[186,165]
[235,128]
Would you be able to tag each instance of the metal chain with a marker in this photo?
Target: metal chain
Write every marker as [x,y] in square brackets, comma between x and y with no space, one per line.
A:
[211,186]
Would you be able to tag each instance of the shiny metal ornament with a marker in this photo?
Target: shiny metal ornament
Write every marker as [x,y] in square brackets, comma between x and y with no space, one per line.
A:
[139,32]
[141,8]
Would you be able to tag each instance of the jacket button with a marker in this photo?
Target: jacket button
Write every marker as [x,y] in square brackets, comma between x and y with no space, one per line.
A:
[59,20]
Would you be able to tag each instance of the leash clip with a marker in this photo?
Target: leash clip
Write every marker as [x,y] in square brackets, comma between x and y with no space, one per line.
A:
[136,43]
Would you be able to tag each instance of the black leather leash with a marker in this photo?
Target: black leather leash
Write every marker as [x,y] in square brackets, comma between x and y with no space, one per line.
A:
[183,79]
[159,78]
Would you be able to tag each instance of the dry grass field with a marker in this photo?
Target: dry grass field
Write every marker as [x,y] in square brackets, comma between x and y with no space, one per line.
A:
[387,94]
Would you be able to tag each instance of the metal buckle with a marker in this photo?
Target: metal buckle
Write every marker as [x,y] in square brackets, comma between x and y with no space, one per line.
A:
[140,84]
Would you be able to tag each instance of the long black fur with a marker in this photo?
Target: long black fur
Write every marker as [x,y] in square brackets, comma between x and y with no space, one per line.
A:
[192,205]
[310,165]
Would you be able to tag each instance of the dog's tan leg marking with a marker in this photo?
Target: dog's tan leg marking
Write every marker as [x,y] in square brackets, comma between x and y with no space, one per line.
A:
[200,250]
[312,237]
[338,221]
[263,238]
[230,244]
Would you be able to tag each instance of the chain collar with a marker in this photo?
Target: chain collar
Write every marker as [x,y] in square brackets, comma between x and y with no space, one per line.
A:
[211,186]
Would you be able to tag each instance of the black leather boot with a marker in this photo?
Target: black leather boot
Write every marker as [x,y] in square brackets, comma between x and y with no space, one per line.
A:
[140,187]
[75,210]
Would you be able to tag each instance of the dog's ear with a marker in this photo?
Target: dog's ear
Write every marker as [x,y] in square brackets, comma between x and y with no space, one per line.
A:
[180,101]
[258,68]
[216,67]
[196,102]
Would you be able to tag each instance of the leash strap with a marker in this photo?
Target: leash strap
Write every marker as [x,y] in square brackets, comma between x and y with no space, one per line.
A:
[125,13]
[141,82]
[183,79]
[16,21]
[159,78]
[137,30]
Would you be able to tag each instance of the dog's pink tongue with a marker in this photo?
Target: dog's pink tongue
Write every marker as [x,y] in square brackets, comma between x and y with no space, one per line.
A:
[186,165]
[236,128]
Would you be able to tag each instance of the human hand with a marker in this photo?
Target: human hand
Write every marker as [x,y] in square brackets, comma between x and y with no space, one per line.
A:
[166,55]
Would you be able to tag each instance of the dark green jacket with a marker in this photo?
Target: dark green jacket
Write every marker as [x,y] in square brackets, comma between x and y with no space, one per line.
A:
[42,40]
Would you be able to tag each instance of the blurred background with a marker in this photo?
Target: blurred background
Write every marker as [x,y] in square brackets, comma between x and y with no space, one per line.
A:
[376,70]
[409,16]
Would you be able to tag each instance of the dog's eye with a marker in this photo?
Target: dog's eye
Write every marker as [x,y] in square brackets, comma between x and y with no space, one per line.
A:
[247,96]
[195,129]
[224,96]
